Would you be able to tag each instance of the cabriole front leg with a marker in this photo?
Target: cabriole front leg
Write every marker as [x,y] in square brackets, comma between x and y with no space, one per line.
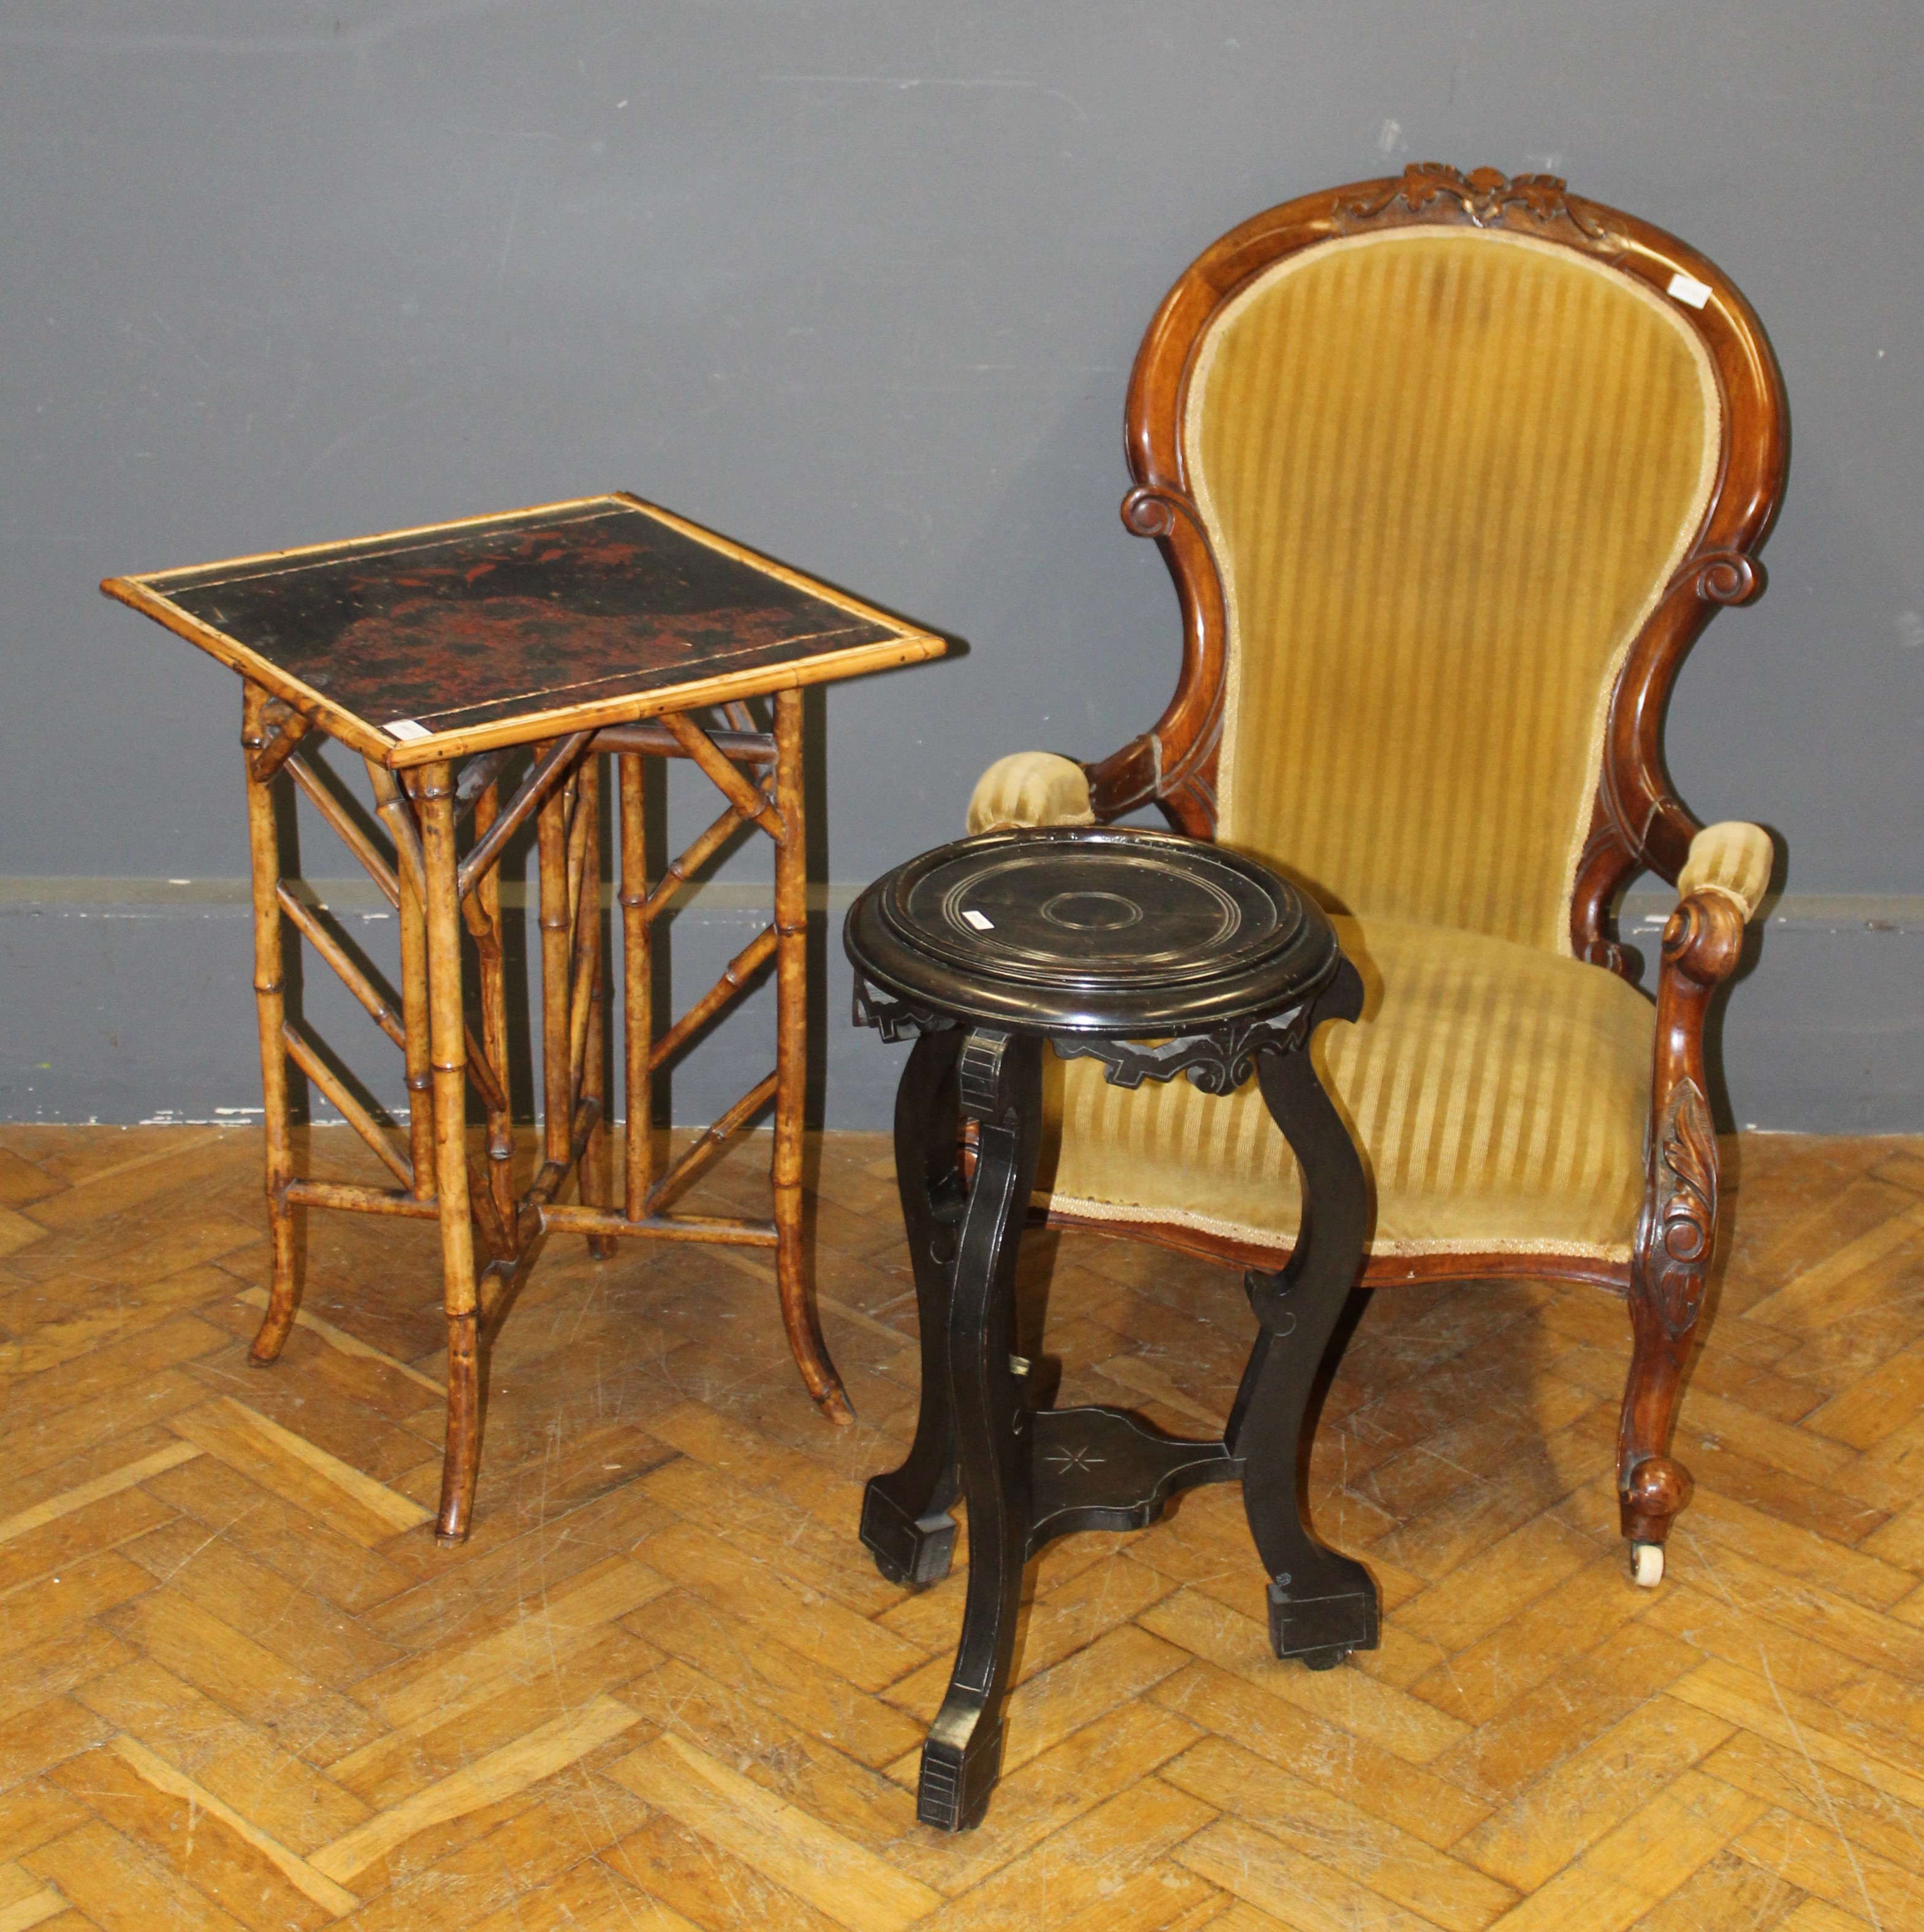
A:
[1676,1233]
[905,1522]
[1000,1080]
[1322,1605]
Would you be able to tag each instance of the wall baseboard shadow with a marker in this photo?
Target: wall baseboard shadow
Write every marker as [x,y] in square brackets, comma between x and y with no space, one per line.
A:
[130,1000]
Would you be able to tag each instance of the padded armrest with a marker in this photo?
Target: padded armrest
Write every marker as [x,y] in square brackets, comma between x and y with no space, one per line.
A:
[1733,858]
[1030,788]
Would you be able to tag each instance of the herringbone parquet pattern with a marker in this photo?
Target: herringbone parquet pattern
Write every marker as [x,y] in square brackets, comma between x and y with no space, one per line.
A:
[663,1687]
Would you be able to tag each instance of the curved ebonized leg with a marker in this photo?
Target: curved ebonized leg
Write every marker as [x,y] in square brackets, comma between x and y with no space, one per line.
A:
[1000,1079]
[905,1522]
[1322,1605]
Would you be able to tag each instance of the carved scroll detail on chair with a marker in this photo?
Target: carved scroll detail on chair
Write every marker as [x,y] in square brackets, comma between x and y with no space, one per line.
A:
[1174,764]
[1485,196]
[1217,1063]
[1683,1197]
[1726,576]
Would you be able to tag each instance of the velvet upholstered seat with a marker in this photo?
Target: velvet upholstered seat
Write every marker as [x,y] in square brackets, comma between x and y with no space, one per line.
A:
[1500,1094]
[1450,472]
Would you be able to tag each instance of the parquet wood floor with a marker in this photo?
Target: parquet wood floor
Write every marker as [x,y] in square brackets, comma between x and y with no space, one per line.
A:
[662,1687]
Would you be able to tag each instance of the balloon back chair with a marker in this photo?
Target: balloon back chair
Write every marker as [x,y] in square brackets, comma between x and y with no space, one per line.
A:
[1450,471]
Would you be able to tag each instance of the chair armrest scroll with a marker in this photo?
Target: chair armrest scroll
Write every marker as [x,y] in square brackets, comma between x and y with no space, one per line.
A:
[1733,859]
[1030,788]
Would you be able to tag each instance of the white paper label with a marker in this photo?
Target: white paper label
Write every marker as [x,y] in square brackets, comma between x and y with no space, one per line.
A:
[980,921]
[1688,288]
[406,729]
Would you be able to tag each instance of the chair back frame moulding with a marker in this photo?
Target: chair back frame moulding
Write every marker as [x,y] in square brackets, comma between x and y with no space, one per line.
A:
[1638,821]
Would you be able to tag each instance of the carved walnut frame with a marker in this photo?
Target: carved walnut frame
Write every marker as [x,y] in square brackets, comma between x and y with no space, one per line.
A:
[1638,821]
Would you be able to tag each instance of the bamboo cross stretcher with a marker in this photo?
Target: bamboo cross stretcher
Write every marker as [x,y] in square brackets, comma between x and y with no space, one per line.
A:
[681,600]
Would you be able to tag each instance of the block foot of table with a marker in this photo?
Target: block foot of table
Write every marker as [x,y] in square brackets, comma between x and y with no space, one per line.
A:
[1321,1631]
[961,1761]
[907,1549]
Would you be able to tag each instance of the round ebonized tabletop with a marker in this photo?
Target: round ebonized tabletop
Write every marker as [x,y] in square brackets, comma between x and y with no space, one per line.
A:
[1107,931]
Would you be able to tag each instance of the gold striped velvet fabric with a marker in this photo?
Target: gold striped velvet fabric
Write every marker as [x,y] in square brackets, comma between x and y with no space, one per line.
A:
[1499,1093]
[1733,858]
[1446,473]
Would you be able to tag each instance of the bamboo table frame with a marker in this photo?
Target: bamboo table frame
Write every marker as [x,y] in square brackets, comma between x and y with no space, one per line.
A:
[589,628]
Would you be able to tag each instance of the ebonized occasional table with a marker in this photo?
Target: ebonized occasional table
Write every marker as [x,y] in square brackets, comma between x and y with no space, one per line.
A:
[1156,955]
[602,625]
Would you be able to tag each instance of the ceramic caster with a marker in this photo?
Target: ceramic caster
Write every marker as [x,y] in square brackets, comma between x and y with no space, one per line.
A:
[1646,1564]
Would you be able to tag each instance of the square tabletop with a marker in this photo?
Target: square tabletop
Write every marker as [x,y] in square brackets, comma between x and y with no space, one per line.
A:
[430,643]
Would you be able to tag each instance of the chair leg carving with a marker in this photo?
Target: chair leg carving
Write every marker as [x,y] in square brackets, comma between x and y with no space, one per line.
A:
[1676,1233]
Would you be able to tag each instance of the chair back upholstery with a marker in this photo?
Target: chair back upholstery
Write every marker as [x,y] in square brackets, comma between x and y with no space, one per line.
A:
[1431,459]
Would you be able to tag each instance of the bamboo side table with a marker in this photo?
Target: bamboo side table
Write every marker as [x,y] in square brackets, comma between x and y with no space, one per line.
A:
[601,626]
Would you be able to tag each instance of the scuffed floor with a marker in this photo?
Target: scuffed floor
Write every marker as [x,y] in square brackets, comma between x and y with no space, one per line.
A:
[663,1686]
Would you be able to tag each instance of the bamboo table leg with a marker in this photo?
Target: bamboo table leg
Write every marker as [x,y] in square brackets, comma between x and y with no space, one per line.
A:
[448,1034]
[585,1051]
[791,1064]
[638,994]
[420,1076]
[557,1102]
[438,897]
[495,1021]
[270,1006]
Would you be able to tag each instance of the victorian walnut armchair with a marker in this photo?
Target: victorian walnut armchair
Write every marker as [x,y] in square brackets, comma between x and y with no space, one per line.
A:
[1450,472]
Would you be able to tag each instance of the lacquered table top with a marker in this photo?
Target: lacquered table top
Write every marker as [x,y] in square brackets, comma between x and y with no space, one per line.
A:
[427,643]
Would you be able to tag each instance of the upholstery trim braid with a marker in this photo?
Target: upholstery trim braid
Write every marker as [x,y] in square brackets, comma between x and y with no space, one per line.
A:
[1446,474]
[1733,858]
[1499,1094]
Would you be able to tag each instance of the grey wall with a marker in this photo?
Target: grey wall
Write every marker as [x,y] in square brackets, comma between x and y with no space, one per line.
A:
[859,284]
